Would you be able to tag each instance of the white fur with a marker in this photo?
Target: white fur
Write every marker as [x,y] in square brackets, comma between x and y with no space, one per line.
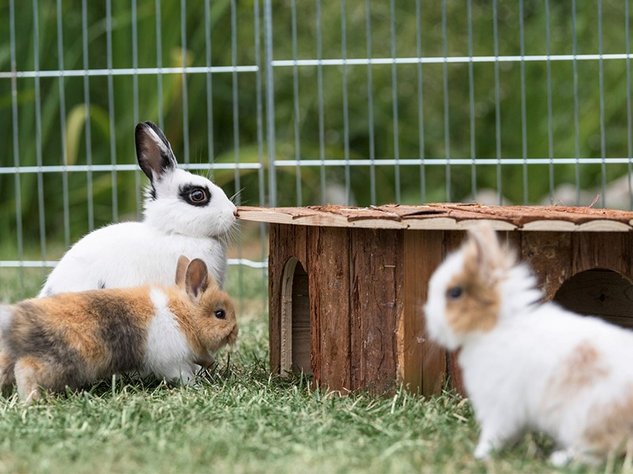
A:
[137,253]
[510,372]
[167,354]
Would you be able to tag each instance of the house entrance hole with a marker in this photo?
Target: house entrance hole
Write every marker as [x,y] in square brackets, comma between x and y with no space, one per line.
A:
[599,292]
[295,320]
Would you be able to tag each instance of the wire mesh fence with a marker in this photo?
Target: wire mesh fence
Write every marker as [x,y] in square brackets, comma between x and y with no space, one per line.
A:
[295,103]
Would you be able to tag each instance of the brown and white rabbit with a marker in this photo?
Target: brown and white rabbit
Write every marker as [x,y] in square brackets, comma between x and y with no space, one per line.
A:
[528,364]
[73,339]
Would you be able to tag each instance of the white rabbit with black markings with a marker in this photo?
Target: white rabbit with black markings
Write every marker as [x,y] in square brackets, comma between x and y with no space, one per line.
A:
[184,214]
[528,364]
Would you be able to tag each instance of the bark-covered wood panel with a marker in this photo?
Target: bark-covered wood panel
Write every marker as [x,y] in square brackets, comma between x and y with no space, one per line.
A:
[329,260]
[376,266]
[286,241]
[422,363]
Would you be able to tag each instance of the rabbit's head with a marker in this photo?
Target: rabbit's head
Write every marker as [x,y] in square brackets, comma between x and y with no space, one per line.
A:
[474,288]
[179,202]
[213,318]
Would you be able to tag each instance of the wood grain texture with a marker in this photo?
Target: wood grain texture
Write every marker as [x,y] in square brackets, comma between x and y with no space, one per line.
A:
[376,300]
[329,261]
[285,242]
[550,256]
[421,362]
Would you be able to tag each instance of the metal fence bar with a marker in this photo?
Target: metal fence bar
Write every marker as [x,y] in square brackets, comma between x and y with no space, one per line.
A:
[319,54]
[394,99]
[471,103]
[447,127]
[119,167]
[576,101]
[52,263]
[135,102]
[346,150]
[270,102]
[629,112]
[16,143]
[295,103]
[550,123]
[525,178]
[62,121]
[185,92]
[208,48]
[603,144]
[111,113]
[370,105]
[87,126]
[495,36]
[420,79]
[453,59]
[159,63]
[41,206]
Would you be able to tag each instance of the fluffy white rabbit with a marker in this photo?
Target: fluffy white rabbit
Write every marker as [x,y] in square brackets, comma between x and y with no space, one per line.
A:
[530,365]
[184,214]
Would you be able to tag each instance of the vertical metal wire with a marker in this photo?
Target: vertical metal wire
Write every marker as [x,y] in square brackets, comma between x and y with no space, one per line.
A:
[235,96]
[270,102]
[185,92]
[523,105]
[16,144]
[260,108]
[135,99]
[495,34]
[87,112]
[295,101]
[320,100]
[394,100]
[370,106]
[550,122]
[420,77]
[629,118]
[113,160]
[603,144]
[471,104]
[260,129]
[62,120]
[159,65]
[348,179]
[447,130]
[576,102]
[208,45]
[236,138]
[41,209]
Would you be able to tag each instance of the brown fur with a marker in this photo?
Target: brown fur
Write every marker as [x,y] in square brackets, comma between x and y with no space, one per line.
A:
[610,429]
[583,368]
[478,307]
[76,338]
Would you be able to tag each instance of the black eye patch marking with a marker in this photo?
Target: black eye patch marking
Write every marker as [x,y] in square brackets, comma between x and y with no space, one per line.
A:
[195,195]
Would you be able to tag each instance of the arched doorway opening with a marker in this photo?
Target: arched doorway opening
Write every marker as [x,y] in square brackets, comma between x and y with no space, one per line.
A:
[295,320]
[599,292]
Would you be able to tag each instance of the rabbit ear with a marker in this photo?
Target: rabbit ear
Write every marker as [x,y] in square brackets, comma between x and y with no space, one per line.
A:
[485,254]
[181,270]
[196,278]
[153,151]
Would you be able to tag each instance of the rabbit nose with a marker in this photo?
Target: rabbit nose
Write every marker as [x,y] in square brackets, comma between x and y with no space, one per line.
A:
[236,213]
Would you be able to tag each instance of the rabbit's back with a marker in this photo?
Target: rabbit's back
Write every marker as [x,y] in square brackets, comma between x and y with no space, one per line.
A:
[135,254]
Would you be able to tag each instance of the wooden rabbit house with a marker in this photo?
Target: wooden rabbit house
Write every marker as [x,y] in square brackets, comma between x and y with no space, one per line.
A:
[347,285]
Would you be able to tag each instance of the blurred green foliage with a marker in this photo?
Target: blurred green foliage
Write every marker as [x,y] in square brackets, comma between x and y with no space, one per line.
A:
[432,125]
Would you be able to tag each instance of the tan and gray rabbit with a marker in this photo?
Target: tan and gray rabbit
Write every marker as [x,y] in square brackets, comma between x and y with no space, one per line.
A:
[74,339]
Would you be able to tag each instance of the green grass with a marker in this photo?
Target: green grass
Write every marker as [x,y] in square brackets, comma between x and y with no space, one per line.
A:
[239,418]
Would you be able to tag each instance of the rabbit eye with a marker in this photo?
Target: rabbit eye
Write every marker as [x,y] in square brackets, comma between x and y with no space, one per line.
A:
[454,292]
[196,195]
[220,314]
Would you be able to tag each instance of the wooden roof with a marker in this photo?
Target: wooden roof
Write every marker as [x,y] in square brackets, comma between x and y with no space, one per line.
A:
[447,217]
